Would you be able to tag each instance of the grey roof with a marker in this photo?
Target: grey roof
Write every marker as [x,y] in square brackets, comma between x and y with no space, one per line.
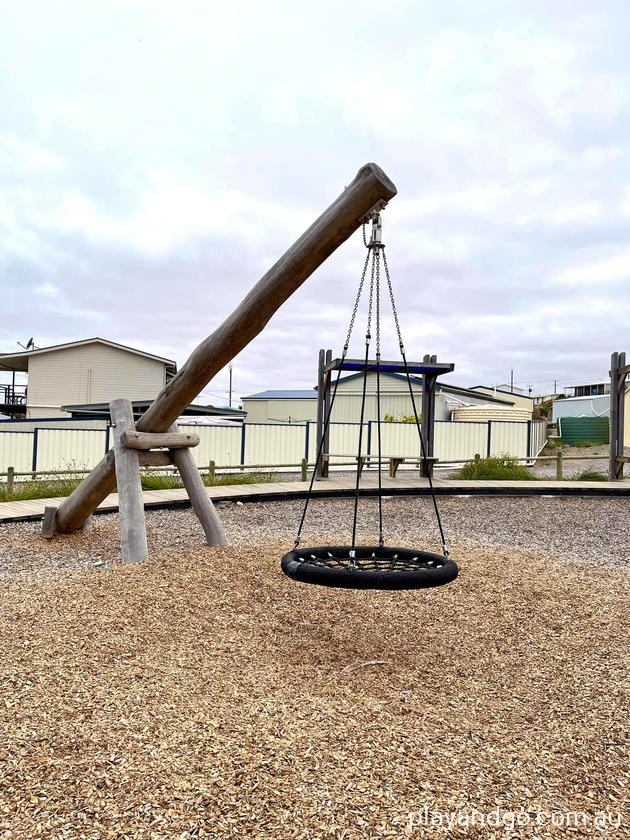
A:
[283,395]
[18,360]
[101,410]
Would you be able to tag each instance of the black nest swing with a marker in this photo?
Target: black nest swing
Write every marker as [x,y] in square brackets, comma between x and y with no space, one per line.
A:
[370,567]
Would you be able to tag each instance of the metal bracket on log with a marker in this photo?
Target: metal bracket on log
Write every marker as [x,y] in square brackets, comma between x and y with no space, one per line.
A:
[370,188]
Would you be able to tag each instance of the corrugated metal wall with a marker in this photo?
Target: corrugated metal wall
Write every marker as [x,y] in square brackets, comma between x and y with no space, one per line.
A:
[457,441]
[57,449]
[16,450]
[508,438]
[578,429]
[67,449]
[221,444]
[275,444]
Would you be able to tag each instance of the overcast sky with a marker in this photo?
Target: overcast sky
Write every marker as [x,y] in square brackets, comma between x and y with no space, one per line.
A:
[157,157]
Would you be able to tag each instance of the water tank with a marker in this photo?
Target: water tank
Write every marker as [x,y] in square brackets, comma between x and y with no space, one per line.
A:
[483,413]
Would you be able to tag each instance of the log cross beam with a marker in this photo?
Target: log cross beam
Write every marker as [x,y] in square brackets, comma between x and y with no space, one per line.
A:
[370,189]
[163,440]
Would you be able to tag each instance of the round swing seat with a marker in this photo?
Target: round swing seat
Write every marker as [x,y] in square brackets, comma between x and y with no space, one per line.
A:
[372,567]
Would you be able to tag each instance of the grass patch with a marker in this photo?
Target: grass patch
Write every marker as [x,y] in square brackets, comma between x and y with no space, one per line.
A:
[582,444]
[502,468]
[589,475]
[238,478]
[23,491]
[160,481]
[49,488]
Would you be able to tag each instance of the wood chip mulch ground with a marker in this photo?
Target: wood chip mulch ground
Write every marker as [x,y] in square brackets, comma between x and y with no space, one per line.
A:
[203,694]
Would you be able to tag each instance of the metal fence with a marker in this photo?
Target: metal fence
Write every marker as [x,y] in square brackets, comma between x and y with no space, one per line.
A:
[274,443]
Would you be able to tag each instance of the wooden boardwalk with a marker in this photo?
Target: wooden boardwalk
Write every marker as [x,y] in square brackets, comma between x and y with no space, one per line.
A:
[338,487]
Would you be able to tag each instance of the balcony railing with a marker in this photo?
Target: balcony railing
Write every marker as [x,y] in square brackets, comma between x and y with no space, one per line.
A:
[13,394]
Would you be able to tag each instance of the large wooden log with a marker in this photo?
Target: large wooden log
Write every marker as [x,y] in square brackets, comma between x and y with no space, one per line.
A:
[158,440]
[370,189]
[133,532]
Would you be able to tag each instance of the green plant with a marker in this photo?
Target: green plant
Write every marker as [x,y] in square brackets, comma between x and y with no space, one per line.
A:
[39,489]
[160,481]
[501,468]
[582,444]
[589,475]
[238,478]
[553,444]
[404,418]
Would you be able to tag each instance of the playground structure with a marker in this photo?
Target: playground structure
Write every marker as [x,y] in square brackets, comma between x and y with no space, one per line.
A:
[369,191]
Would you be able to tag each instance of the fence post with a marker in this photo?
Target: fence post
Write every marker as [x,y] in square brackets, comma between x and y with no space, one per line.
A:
[212,471]
[242,445]
[559,465]
[489,437]
[10,474]
[529,438]
[35,438]
[304,469]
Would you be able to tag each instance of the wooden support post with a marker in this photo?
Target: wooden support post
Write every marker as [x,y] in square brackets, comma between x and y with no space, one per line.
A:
[370,189]
[394,463]
[320,411]
[212,472]
[133,534]
[428,415]
[10,478]
[325,464]
[361,460]
[304,469]
[48,522]
[327,395]
[618,373]
[201,503]
[559,465]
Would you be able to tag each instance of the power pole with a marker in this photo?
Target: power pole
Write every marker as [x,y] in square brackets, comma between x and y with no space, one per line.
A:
[512,381]
[555,387]
[230,368]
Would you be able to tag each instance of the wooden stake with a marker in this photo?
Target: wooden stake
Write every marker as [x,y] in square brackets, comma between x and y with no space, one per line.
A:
[371,188]
[133,533]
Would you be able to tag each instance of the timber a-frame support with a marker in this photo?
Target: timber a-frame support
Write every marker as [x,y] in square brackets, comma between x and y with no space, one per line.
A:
[619,372]
[370,190]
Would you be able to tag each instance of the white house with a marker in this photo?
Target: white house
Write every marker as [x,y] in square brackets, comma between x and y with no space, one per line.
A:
[94,370]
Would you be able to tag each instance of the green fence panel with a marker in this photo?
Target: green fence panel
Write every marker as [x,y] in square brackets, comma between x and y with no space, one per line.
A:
[577,429]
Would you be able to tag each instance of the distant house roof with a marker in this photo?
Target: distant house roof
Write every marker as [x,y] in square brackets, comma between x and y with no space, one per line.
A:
[19,361]
[417,380]
[283,395]
[101,410]
[516,393]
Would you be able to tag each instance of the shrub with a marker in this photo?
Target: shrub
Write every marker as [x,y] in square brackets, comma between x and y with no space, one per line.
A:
[502,468]
[404,418]
[589,475]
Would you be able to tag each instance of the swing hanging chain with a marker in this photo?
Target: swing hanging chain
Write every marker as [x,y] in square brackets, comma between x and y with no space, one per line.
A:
[413,405]
[332,399]
[381,539]
[375,246]
[363,397]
